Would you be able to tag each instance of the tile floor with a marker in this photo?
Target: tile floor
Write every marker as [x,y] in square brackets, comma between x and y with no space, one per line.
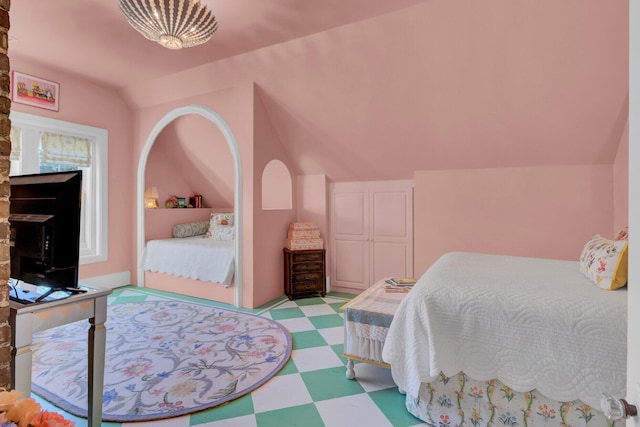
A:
[311,390]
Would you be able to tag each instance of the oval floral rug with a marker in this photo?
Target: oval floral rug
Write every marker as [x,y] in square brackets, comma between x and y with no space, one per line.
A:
[163,359]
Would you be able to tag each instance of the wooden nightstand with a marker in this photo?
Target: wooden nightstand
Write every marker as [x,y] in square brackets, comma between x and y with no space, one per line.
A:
[304,273]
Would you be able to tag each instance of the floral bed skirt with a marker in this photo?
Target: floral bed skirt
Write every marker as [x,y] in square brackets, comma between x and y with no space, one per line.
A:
[462,401]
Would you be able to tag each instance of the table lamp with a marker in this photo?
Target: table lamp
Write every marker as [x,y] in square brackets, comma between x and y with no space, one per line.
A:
[151,198]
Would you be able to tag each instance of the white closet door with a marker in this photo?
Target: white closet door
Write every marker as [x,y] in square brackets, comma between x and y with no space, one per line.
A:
[349,236]
[391,248]
[371,233]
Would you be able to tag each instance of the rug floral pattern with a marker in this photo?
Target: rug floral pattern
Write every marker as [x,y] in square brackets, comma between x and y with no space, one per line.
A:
[163,359]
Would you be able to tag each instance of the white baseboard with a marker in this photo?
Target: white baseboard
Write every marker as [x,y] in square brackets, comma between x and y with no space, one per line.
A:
[109,281]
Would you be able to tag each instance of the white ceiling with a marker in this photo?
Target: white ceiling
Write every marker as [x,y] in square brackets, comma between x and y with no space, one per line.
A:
[92,38]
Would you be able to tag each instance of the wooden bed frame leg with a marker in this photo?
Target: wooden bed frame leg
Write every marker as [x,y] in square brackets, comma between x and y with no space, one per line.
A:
[351,374]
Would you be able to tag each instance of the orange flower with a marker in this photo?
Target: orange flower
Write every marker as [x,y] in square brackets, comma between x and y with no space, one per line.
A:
[51,419]
[26,412]
[23,411]
[8,398]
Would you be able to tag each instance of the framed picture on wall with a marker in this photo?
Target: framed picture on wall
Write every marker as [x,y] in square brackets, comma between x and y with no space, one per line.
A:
[34,91]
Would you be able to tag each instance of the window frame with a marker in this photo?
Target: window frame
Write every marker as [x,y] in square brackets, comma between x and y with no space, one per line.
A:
[95,246]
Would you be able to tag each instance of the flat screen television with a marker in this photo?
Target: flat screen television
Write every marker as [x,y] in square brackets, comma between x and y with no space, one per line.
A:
[44,220]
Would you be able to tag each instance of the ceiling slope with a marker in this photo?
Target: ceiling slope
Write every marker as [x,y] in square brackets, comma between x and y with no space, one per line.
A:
[93,39]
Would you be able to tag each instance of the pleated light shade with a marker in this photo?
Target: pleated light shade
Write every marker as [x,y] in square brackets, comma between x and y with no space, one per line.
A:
[172,23]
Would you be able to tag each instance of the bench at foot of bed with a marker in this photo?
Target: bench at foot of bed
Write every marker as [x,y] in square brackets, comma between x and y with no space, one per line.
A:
[367,318]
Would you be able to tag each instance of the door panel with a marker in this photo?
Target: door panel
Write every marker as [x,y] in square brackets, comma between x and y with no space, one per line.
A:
[349,234]
[389,259]
[390,215]
[349,215]
[391,230]
[353,272]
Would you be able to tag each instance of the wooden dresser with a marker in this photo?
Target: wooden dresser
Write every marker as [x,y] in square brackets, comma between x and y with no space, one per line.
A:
[304,273]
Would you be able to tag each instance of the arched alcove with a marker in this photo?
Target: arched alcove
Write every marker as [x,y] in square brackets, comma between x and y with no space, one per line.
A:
[276,186]
[224,128]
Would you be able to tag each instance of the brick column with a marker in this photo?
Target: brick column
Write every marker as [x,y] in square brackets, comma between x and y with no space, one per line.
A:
[5,163]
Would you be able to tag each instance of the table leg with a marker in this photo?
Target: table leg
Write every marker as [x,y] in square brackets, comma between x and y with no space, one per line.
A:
[21,353]
[97,340]
[351,373]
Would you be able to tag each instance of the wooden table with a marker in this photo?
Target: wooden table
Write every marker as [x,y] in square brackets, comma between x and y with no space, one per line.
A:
[25,319]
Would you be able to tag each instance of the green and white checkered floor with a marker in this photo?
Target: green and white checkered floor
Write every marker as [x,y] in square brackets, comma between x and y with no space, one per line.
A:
[311,390]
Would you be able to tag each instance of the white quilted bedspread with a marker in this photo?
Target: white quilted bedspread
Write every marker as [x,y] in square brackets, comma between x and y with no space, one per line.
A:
[531,323]
[194,257]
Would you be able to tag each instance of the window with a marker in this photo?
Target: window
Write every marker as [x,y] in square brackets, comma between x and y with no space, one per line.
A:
[40,145]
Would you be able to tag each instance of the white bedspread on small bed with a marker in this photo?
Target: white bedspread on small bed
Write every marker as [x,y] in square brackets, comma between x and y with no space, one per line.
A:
[192,257]
[531,323]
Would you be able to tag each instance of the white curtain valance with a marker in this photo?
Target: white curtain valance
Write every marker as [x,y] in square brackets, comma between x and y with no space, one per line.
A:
[16,143]
[65,150]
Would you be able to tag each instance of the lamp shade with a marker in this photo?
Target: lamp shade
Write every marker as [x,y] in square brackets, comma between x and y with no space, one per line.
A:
[172,23]
[151,193]
[151,197]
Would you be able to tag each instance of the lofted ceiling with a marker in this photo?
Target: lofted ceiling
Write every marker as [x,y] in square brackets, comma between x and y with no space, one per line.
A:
[92,37]
[422,84]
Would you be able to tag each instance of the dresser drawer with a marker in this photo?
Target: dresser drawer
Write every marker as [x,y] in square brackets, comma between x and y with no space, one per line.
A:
[307,256]
[308,286]
[304,277]
[306,267]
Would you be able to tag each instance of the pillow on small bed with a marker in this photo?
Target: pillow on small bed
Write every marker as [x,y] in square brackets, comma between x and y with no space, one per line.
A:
[222,218]
[623,234]
[224,233]
[190,229]
[219,220]
[605,262]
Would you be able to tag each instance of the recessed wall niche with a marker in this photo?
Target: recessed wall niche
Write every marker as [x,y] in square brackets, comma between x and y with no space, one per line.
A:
[276,186]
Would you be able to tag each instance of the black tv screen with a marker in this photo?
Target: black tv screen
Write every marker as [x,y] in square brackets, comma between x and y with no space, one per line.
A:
[44,222]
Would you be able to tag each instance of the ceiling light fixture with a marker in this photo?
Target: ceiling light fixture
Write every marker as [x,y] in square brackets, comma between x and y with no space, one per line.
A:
[172,23]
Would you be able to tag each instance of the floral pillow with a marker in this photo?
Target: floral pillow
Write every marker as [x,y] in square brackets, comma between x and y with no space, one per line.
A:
[605,262]
[623,234]
[226,233]
[221,219]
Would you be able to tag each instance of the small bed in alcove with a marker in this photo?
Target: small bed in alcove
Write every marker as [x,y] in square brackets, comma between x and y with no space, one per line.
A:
[187,154]
[196,261]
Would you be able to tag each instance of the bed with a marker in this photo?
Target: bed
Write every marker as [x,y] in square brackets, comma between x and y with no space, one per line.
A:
[487,339]
[194,262]
[195,257]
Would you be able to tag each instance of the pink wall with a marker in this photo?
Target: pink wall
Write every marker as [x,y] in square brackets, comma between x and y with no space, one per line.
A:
[312,199]
[313,205]
[621,184]
[270,226]
[190,156]
[159,222]
[547,211]
[84,102]
[235,105]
